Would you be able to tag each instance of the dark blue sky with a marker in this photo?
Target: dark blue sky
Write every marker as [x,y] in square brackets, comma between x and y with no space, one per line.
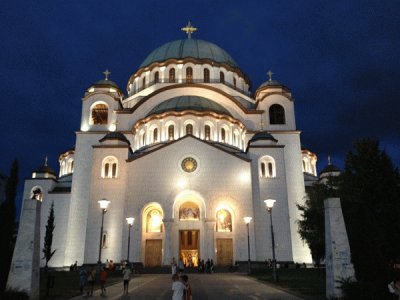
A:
[341,60]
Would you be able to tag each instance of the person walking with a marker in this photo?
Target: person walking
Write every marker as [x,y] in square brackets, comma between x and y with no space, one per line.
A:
[178,288]
[173,266]
[181,266]
[126,276]
[103,279]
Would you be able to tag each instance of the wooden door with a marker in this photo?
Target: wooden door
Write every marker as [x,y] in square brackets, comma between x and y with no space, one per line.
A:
[224,252]
[153,253]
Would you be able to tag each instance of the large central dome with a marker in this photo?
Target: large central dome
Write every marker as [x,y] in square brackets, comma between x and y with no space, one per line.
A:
[189,48]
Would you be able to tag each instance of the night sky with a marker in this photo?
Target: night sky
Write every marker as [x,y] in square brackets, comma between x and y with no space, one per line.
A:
[341,60]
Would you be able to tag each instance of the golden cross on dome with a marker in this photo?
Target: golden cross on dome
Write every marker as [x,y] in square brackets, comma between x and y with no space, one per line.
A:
[106,73]
[189,29]
[329,160]
[269,73]
[45,161]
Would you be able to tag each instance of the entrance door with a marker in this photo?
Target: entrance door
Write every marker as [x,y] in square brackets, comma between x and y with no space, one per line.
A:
[224,252]
[153,253]
[189,247]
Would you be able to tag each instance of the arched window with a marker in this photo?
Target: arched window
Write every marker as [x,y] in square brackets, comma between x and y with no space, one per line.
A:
[276,114]
[37,194]
[189,129]
[206,75]
[221,77]
[144,82]
[172,75]
[155,135]
[99,115]
[223,135]
[109,167]
[156,77]
[171,132]
[143,139]
[154,221]
[189,211]
[263,169]
[207,132]
[234,82]
[224,221]
[267,167]
[189,74]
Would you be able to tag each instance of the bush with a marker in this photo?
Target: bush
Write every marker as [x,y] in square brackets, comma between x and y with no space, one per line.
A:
[13,294]
[360,290]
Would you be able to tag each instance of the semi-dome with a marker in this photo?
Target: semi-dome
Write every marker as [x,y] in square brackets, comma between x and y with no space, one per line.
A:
[186,48]
[182,103]
[115,135]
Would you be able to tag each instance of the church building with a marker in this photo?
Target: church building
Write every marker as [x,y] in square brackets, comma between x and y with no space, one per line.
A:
[188,151]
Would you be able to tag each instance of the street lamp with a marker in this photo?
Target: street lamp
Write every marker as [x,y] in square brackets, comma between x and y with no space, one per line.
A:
[103,205]
[247,220]
[130,221]
[270,204]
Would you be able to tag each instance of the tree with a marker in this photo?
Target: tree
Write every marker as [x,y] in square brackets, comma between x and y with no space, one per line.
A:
[312,224]
[7,223]
[370,193]
[48,238]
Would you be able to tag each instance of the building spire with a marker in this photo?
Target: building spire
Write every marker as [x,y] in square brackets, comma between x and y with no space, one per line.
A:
[189,29]
[269,73]
[106,73]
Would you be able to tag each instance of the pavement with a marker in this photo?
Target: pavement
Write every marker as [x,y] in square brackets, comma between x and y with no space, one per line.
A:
[218,286]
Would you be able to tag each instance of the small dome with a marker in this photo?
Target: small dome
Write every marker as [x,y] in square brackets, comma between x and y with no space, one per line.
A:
[262,135]
[182,103]
[44,169]
[115,135]
[186,48]
[329,169]
[106,83]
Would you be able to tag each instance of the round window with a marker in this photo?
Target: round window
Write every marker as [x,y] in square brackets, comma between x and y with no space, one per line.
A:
[189,164]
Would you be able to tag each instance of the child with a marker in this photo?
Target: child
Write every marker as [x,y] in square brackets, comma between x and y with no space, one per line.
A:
[188,288]
[177,287]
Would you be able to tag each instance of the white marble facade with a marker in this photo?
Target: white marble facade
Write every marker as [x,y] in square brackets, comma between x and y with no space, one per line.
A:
[194,140]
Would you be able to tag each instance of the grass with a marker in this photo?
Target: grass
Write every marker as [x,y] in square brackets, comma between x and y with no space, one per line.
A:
[66,284]
[306,282]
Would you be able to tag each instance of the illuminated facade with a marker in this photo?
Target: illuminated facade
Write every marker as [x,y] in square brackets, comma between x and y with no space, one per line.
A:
[188,152]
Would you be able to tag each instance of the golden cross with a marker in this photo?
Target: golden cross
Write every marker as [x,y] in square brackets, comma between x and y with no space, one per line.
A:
[106,73]
[45,161]
[189,29]
[329,160]
[269,73]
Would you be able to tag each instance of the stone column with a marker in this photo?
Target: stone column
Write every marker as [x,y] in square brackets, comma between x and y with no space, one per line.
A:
[25,265]
[209,239]
[168,224]
[337,249]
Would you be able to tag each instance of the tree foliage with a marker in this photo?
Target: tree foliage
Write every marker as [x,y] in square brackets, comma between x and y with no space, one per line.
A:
[312,224]
[48,238]
[7,223]
[370,193]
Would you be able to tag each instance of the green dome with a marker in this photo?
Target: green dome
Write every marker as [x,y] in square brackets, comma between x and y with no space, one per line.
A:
[189,48]
[182,103]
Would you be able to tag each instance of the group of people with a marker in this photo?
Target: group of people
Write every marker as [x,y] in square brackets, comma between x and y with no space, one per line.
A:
[181,288]
[207,267]
[87,278]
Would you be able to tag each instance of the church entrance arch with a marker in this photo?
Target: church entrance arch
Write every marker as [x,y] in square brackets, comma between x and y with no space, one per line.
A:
[153,234]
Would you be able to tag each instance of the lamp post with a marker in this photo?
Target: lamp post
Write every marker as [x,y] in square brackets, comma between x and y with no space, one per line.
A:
[247,220]
[103,205]
[130,221]
[270,204]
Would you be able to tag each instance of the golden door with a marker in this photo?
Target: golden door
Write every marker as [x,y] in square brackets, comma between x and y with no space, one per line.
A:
[153,253]
[224,252]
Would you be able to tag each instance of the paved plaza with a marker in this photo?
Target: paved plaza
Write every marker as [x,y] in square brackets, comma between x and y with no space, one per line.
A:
[204,286]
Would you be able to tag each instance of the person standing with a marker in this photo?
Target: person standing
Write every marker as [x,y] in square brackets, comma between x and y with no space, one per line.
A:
[103,279]
[126,276]
[181,266]
[178,288]
[188,288]
[82,279]
[90,280]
